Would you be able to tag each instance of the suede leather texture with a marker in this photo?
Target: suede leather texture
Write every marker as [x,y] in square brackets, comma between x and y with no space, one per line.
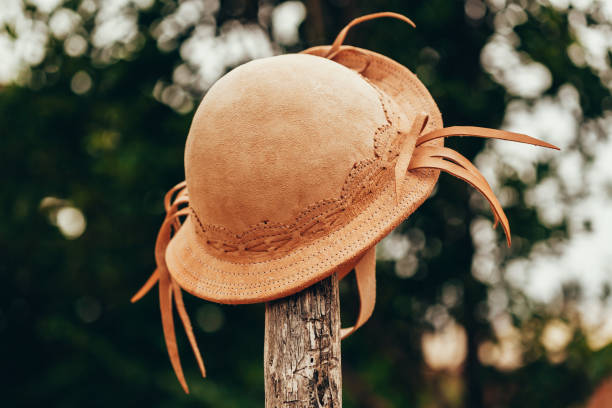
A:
[276,135]
[322,159]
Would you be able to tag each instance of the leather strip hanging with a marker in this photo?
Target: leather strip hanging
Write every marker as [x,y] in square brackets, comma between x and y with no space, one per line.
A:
[168,288]
[365,275]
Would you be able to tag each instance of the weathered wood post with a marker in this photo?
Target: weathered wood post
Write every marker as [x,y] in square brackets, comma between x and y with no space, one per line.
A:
[302,349]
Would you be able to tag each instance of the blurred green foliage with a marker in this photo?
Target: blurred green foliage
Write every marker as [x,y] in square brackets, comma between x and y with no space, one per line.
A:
[69,336]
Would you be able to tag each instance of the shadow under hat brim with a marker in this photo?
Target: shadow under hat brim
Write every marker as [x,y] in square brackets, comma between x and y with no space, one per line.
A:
[202,274]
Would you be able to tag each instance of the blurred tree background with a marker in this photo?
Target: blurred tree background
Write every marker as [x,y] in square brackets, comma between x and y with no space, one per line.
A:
[96,98]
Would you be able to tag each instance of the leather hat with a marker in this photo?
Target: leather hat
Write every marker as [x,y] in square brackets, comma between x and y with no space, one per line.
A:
[295,167]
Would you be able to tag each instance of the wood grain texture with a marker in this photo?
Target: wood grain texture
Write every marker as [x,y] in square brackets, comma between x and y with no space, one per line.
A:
[302,349]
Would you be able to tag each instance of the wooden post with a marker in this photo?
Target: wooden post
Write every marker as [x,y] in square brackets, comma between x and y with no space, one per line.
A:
[302,349]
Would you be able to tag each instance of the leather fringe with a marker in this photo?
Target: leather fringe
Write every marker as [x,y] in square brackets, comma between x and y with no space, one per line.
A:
[169,291]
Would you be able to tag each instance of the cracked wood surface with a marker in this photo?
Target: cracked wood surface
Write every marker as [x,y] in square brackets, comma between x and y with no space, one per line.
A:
[302,349]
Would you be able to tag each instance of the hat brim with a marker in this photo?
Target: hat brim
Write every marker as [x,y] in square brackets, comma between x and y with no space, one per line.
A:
[202,274]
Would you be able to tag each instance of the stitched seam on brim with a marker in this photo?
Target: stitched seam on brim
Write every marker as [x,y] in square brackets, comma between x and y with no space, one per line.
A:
[236,288]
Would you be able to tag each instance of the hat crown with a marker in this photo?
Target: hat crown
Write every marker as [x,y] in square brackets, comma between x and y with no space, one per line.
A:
[275,136]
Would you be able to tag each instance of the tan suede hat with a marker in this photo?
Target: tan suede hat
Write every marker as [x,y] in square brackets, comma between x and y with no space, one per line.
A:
[296,166]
